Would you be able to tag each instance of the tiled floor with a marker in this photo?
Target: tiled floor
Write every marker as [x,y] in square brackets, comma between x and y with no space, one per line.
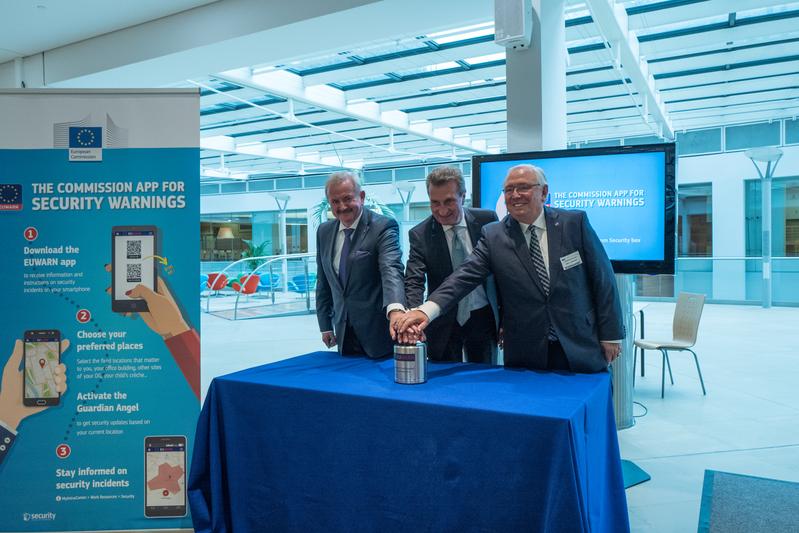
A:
[748,423]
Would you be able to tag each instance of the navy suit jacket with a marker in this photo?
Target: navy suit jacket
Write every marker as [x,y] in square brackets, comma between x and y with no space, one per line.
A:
[429,258]
[583,303]
[374,280]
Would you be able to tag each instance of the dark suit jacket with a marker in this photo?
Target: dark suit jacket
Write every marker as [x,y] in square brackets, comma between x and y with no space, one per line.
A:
[374,281]
[429,258]
[583,303]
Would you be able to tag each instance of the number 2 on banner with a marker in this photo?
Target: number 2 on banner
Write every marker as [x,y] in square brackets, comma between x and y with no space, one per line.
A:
[83,316]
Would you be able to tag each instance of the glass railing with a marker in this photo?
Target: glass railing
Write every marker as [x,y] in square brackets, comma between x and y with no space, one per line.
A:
[734,280]
[255,287]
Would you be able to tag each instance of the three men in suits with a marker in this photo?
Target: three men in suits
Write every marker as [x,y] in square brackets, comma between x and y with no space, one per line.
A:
[439,244]
[359,273]
[560,305]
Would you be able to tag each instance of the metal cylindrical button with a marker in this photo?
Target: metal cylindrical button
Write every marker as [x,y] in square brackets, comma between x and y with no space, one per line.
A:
[410,363]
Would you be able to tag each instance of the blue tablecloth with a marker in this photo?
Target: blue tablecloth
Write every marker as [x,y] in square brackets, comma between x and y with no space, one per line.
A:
[329,443]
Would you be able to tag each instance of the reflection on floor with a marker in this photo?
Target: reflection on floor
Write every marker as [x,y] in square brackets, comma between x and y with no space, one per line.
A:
[748,423]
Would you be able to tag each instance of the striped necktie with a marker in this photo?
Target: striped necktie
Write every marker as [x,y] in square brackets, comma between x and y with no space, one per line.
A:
[538,260]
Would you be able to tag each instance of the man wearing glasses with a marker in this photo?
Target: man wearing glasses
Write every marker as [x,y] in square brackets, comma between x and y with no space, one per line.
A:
[560,306]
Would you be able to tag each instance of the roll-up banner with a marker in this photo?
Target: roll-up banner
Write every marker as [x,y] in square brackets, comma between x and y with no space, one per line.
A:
[99,341]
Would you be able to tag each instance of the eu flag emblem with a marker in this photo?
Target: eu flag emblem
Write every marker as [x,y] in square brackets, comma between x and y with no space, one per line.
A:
[84,137]
[10,197]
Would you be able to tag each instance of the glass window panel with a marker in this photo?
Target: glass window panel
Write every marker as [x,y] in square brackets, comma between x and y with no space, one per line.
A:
[751,135]
[262,185]
[377,176]
[209,189]
[784,217]
[699,142]
[695,222]
[233,187]
[411,173]
[791,131]
[752,200]
[289,183]
[599,144]
[315,181]
[648,139]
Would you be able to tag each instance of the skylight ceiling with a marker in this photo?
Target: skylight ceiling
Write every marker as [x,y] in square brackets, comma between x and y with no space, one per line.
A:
[438,95]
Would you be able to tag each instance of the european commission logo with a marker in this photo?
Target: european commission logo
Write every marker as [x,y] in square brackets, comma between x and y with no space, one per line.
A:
[85,143]
[10,197]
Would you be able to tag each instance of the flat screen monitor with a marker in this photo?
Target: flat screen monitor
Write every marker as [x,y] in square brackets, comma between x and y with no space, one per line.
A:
[628,193]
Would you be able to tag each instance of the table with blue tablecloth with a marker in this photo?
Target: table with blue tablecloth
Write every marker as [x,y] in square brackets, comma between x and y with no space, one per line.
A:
[323,442]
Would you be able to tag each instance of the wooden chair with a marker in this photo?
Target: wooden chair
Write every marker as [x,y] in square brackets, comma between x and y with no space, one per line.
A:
[685,326]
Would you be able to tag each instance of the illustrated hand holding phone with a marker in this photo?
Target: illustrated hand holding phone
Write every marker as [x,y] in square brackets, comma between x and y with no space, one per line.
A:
[163,314]
[25,393]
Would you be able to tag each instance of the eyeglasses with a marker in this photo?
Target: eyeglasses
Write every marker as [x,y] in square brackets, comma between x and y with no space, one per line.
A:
[521,189]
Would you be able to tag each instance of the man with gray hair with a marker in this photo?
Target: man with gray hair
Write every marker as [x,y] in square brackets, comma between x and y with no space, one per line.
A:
[560,305]
[359,285]
[439,244]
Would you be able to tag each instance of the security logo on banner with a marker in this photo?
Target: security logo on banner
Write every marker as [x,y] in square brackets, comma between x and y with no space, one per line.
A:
[85,144]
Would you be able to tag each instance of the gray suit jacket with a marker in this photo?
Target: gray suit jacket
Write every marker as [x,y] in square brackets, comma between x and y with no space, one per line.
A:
[583,303]
[374,281]
[429,259]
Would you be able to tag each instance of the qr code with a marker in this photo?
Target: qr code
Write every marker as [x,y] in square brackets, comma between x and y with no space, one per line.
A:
[134,249]
[134,273]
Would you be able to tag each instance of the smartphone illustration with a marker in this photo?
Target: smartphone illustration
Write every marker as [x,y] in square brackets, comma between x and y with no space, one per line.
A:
[133,263]
[164,476]
[41,356]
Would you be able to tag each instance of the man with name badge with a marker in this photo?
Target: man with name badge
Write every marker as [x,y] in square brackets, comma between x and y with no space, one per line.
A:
[560,306]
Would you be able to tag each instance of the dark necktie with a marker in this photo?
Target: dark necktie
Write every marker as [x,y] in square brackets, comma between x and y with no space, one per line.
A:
[543,275]
[538,260]
[345,253]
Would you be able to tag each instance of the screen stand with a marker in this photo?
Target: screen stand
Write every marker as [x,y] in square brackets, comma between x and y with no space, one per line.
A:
[622,372]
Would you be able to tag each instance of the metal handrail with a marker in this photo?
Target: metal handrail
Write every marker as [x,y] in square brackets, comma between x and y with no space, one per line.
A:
[268,261]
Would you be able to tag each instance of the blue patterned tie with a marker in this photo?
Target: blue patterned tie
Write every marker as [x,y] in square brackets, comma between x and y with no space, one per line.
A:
[345,253]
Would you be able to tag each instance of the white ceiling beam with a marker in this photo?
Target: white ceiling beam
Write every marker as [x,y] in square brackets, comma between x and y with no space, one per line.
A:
[402,88]
[730,87]
[725,101]
[611,19]
[402,63]
[727,76]
[695,11]
[227,145]
[230,34]
[733,117]
[726,58]
[708,40]
[291,86]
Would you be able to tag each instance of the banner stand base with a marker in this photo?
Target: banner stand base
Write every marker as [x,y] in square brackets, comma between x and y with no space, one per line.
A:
[633,474]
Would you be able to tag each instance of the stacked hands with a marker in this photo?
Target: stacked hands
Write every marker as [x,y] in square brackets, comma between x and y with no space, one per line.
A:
[407,327]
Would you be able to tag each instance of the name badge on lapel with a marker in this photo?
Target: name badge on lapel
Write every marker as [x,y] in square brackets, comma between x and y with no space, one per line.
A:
[571,260]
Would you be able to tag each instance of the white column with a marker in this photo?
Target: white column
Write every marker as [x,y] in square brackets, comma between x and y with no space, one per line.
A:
[536,83]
